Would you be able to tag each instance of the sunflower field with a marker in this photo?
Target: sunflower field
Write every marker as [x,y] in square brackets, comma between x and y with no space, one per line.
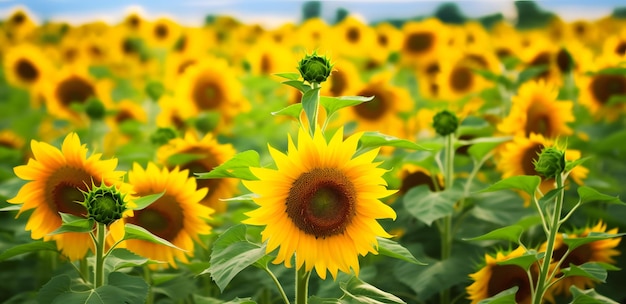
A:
[425,160]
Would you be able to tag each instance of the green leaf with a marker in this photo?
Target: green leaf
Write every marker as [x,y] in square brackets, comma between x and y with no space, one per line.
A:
[155,90]
[179,287]
[237,167]
[549,197]
[616,99]
[100,71]
[588,194]
[508,233]
[572,164]
[121,258]
[428,206]
[590,270]
[231,254]
[333,104]
[290,76]
[609,71]
[318,300]
[526,183]
[179,159]
[298,84]
[310,106]
[393,249]
[121,288]
[11,208]
[478,150]
[530,73]
[293,110]
[495,78]
[27,248]
[524,261]
[588,296]
[242,198]
[73,223]
[377,139]
[503,297]
[573,243]
[366,293]
[134,232]
[147,200]
[197,299]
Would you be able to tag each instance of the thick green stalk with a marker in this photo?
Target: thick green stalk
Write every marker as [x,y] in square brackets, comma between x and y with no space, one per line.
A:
[99,271]
[446,227]
[302,285]
[283,295]
[553,227]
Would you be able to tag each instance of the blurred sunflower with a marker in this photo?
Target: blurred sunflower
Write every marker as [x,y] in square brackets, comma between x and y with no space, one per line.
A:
[173,114]
[310,36]
[597,88]
[321,204]
[388,40]
[419,125]
[193,41]
[19,25]
[267,57]
[413,176]
[134,22]
[124,113]
[344,80]
[423,40]
[583,31]
[26,66]
[517,157]
[456,78]
[204,155]
[615,45]
[383,112]
[162,33]
[492,278]
[537,51]
[351,38]
[11,140]
[598,251]
[535,109]
[56,178]
[177,216]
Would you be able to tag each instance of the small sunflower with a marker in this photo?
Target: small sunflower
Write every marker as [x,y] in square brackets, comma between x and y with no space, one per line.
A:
[456,78]
[596,90]
[321,204]
[173,113]
[177,216]
[615,45]
[492,278]
[162,33]
[351,37]
[267,57]
[26,65]
[388,40]
[598,251]
[134,22]
[413,176]
[19,25]
[423,40]
[209,154]
[310,35]
[535,109]
[344,80]
[56,179]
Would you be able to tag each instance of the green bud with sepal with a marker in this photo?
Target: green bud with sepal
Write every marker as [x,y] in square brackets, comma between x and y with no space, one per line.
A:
[314,68]
[445,123]
[551,162]
[104,204]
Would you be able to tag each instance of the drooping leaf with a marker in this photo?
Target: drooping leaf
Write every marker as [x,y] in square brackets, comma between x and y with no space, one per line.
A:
[478,150]
[588,296]
[310,106]
[588,194]
[393,249]
[573,243]
[237,167]
[503,297]
[590,270]
[573,164]
[27,248]
[530,73]
[524,261]
[293,110]
[145,201]
[121,258]
[179,159]
[298,84]
[334,104]
[134,232]
[509,233]
[73,223]
[428,206]
[526,183]
[290,76]
[377,139]
[365,293]
[495,78]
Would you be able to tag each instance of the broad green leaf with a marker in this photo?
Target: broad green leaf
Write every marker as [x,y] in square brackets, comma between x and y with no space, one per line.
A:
[588,296]
[503,297]
[293,110]
[318,300]
[179,159]
[298,84]
[333,104]
[100,71]
[428,206]
[155,90]
[530,73]
[572,164]
[495,78]
[121,288]
[366,293]
[237,167]
[609,71]
[290,76]
[145,201]
[524,261]
[73,223]
[549,197]
[393,249]
[121,258]
[231,254]
[508,233]
[526,183]
[478,150]
[178,288]
[134,232]
[573,243]
[616,99]
[588,194]
[27,248]
[589,270]
[377,139]
[198,299]
[310,106]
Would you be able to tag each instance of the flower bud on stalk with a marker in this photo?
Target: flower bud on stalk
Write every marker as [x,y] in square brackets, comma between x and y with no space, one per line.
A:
[551,162]
[314,68]
[104,204]
[445,122]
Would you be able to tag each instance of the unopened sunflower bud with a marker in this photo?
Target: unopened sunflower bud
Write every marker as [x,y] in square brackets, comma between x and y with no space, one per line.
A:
[95,109]
[314,68]
[445,122]
[104,204]
[551,162]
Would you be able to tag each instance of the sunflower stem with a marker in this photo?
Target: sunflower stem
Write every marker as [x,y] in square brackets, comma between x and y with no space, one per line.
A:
[542,285]
[446,227]
[283,295]
[302,285]
[313,122]
[99,271]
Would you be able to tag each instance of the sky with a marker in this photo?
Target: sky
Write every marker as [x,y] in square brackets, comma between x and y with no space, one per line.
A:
[276,12]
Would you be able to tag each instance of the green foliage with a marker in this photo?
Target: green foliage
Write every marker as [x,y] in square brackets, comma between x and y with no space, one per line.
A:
[122,288]
[237,167]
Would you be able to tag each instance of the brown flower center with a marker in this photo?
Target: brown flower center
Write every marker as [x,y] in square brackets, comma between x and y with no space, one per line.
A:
[161,31]
[207,94]
[204,164]
[539,121]
[415,179]
[383,40]
[563,61]
[338,83]
[542,59]
[133,21]
[18,18]
[461,79]
[26,70]
[184,65]
[529,157]
[621,48]
[266,64]
[163,218]
[322,202]
[374,109]
[418,43]
[74,89]
[604,86]
[504,277]
[63,190]
[578,256]
[353,35]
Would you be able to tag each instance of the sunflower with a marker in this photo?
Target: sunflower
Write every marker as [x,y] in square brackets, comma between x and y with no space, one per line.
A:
[321,204]
[517,157]
[598,251]
[535,109]
[173,113]
[26,66]
[539,51]
[267,57]
[9,139]
[125,112]
[615,45]
[420,125]
[456,78]
[211,85]
[413,176]
[134,22]
[177,216]
[388,40]
[162,33]
[208,153]
[344,80]
[597,89]
[56,178]
[492,278]
[19,26]
[310,36]
[423,40]
[351,37]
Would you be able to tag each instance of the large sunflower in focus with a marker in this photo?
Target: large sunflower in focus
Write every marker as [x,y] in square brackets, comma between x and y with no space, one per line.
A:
[206,154]
[423,40]
[26,65]
[599,251]
[492,278]
[56,178]
[177,216]
[535,109]
[321,203]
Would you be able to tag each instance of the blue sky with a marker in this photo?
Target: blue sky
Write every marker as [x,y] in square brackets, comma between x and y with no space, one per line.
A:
[275,12]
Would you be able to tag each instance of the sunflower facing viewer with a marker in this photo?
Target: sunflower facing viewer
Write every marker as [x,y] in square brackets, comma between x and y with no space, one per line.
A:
[321,203]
